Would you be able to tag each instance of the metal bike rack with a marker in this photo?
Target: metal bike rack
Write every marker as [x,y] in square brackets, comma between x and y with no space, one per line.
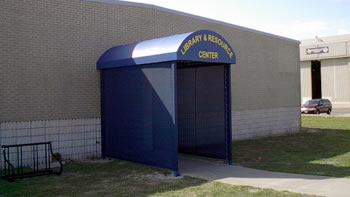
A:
[28,160]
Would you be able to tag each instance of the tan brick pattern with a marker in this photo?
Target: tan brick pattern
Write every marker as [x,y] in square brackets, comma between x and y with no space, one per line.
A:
[49,50]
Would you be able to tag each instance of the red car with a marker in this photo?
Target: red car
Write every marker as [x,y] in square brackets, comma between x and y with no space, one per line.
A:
[317,106]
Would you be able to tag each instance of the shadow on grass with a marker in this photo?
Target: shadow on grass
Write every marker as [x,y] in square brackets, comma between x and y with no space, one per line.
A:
[118,178]
[314,151]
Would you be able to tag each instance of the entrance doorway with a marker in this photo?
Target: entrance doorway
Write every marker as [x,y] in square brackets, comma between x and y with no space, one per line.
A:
[161,97]
[202,110]
[316,79]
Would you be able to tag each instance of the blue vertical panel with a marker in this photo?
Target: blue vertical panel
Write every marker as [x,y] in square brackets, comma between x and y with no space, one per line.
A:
[138,115]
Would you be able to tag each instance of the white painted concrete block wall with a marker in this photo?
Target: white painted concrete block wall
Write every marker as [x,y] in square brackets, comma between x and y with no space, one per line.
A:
[252,124]
[75,138]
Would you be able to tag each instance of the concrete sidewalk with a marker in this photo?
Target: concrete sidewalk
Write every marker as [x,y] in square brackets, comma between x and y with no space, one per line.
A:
[237,175]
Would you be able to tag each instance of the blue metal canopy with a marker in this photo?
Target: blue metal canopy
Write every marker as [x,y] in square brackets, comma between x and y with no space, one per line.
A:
[199,46]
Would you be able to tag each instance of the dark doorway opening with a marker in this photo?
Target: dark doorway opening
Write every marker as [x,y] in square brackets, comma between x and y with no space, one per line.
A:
[202,110]
[316,79]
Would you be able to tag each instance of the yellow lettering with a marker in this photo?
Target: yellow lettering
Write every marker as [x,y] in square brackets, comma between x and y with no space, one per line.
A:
[198,38]
[220,42]
[225,47]
[186,47]
[208,55]
[194,41]
[204,54]
[189,43]
[214,55]
[209,37]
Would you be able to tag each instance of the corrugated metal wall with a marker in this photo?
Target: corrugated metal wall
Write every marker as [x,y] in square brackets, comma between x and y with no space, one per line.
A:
[335,50]
[335,74]
[335,68]
[328,79]
[335,79]
[305,75]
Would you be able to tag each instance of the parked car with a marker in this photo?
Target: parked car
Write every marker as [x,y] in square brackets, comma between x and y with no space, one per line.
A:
[317,106]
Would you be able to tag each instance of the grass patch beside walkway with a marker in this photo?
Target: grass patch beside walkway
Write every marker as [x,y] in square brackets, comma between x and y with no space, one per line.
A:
[323,148]
[120,178]
[331,123]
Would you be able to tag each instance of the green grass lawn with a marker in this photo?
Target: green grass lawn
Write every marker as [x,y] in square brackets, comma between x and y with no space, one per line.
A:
[331,123]
[120,178]
[322,148]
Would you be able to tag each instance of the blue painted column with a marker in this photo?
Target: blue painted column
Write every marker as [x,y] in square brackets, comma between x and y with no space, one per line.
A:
[229,113]
[103,118]
[175,121]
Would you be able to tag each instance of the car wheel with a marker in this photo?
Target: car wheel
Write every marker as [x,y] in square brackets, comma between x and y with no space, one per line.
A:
[329,112]
[318,112]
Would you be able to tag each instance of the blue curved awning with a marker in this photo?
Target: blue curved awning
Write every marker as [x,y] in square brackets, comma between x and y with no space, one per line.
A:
[199,46]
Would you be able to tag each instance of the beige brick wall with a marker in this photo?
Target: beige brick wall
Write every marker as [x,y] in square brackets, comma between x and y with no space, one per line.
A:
[48,52]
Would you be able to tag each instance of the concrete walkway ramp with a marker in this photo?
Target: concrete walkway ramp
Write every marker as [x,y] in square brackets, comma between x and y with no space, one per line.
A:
[238,175]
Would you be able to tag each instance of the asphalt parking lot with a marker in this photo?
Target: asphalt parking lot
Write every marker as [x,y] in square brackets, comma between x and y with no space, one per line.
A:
[341,111]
